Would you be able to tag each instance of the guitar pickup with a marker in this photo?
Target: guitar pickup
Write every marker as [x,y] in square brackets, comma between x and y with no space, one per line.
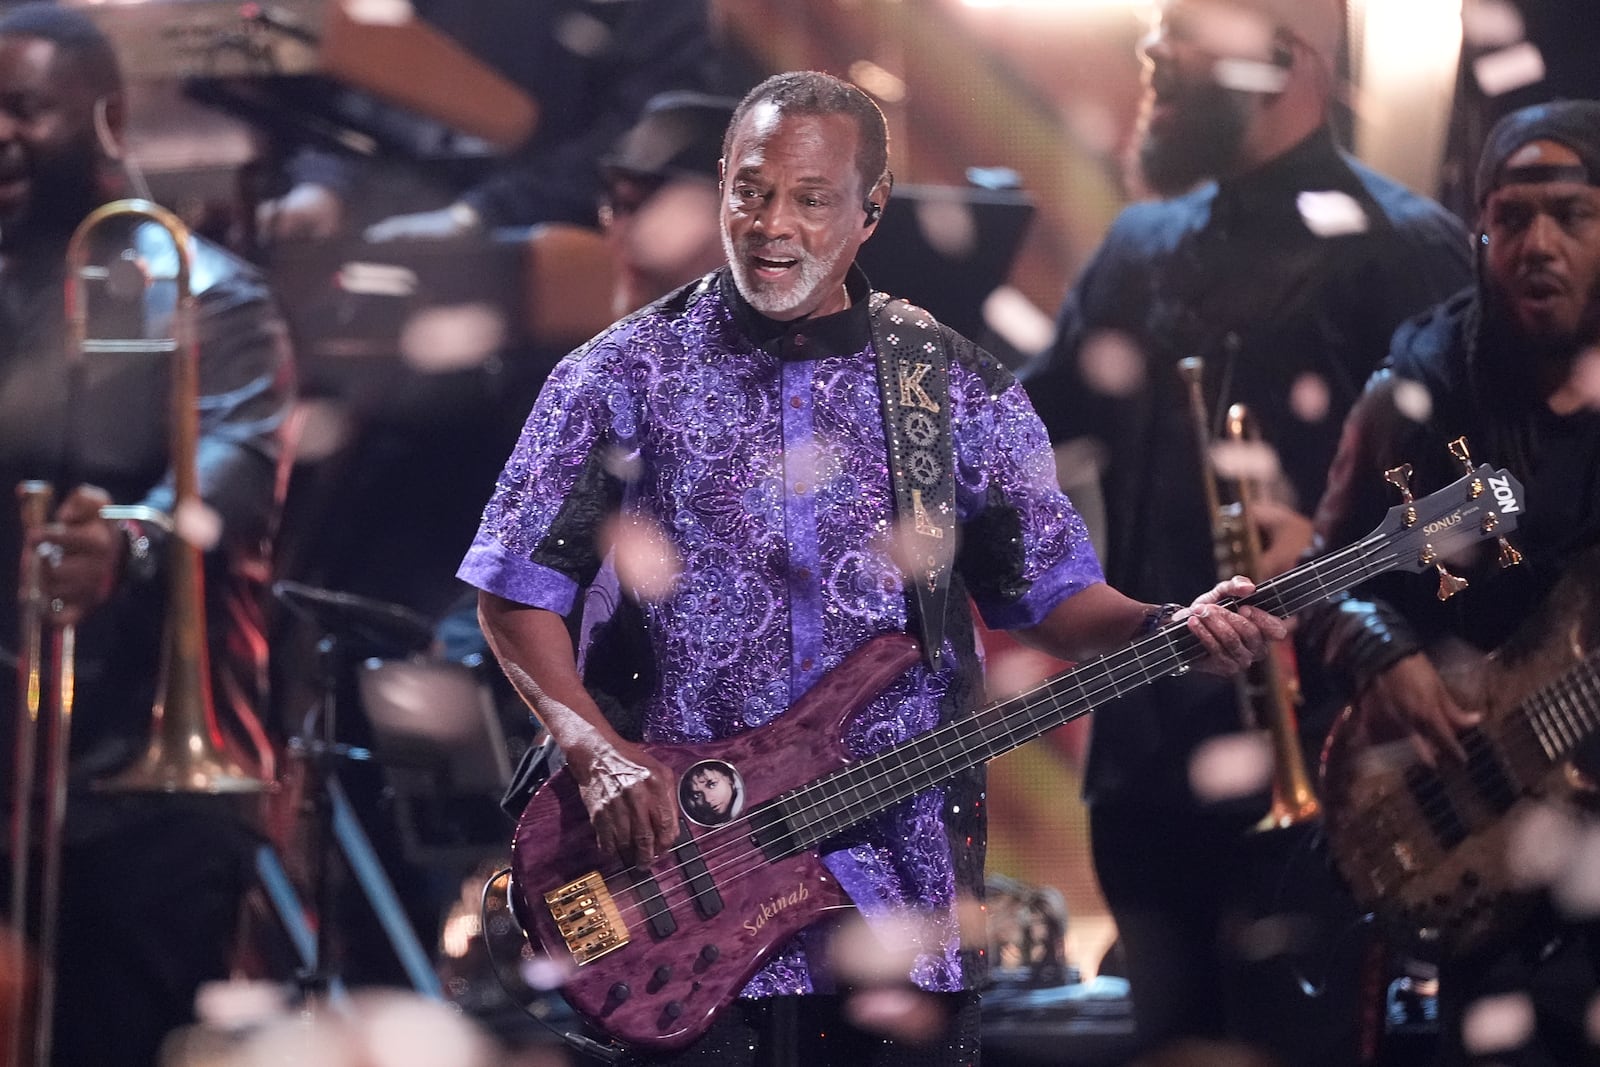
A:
[648,890]
[707,901]
[587,918]
[1433,801]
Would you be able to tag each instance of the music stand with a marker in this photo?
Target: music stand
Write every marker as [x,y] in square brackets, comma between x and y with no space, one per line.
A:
[946,248]
[438,736]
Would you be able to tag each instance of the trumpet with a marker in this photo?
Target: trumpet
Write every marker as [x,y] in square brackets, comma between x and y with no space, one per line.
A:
[1269,692]
[186,752]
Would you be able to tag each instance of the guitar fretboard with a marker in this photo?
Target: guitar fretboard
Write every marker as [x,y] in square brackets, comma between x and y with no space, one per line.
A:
[840,800]
[1558,718]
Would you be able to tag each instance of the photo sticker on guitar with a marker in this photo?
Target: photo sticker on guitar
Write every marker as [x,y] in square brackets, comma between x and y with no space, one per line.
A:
[711,793]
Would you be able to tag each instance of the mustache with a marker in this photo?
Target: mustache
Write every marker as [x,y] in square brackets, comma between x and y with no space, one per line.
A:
[767,246]
[1164,87]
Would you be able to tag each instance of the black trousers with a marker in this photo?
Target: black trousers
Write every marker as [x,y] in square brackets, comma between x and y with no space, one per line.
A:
[813,1031]
[149,910]
[1234,935]
[1550,966]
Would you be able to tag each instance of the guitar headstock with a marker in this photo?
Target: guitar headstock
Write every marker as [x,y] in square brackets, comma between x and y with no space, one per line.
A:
[1484,504]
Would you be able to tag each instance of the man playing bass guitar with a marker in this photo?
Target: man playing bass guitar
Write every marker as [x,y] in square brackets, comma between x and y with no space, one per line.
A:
[1506,368]
[793,466]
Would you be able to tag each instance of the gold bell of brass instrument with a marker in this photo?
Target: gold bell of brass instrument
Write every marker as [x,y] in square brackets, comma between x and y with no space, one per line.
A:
[1269,691]
[187,752]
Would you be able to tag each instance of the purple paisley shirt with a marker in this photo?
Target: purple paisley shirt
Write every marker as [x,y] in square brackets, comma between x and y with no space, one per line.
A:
[758,450]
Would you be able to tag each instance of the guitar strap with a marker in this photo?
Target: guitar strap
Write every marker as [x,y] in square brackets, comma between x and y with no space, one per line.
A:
[914,381]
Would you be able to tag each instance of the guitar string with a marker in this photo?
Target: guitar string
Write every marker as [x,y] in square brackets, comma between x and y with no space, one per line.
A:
[1521,748]
[1023,719]
[1367,846]
[799,820]
[1337,567]
[1053,696]
[1024,710]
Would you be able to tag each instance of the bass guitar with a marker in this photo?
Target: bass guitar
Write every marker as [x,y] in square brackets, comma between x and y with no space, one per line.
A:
[652,952]
[1428,850]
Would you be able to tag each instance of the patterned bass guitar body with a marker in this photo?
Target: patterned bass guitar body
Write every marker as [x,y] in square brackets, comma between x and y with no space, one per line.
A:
[1433,853]
[660,949]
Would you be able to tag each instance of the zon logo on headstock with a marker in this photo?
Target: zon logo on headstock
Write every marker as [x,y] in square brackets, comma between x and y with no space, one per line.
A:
[1505,494]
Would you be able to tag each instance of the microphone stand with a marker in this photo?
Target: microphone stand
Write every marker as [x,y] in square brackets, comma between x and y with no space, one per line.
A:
[334,824]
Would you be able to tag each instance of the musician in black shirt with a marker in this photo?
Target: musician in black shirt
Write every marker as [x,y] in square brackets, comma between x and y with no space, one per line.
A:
[590,66]
[1509,364]
[1286,276]
[152,885]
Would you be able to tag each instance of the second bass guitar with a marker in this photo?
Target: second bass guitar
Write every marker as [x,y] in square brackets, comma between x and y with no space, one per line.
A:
[1428,850]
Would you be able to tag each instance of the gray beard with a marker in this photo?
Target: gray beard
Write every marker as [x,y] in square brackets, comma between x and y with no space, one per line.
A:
[812,272]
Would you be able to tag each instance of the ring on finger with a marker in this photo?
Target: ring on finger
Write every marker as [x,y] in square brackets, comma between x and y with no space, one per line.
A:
[52,553]
[57,605]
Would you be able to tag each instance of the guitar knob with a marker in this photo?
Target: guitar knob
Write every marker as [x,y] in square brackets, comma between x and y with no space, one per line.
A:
[710,953]
[673,1009]
[662,975]
[620,992]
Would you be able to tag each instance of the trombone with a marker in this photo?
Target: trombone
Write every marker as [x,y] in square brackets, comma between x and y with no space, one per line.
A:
[1269,691]
[186,752]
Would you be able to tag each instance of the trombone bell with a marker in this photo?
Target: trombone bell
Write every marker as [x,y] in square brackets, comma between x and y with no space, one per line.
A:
[187,752]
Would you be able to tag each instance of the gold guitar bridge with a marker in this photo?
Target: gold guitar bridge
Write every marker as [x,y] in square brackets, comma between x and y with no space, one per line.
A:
[587,918]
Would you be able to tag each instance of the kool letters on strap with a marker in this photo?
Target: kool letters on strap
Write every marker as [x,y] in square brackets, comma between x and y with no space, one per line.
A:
[914,380]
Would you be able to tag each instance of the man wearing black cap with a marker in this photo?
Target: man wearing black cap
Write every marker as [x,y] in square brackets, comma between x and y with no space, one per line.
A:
[1509,364]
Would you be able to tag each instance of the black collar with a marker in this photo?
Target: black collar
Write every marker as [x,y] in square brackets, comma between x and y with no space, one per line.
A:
[844,333]
[1265,193]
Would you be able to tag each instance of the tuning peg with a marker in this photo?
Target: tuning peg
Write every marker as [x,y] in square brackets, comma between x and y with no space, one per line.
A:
[1449,584]
[1459,449]
[1400,478]
[1509,556]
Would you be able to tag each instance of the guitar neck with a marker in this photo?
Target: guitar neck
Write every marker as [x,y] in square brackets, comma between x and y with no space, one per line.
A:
[840,800]
[1559,717]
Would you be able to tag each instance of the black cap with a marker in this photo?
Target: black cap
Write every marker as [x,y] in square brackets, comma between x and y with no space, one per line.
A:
[678,135]
[1573,123]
